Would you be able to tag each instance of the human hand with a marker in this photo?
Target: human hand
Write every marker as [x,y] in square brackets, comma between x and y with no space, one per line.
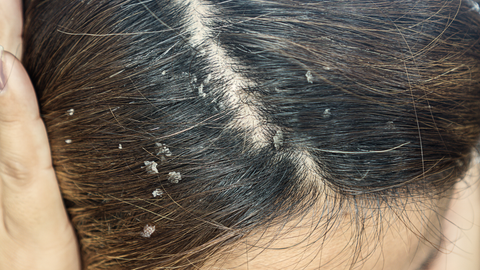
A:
[11,24]
[35,232]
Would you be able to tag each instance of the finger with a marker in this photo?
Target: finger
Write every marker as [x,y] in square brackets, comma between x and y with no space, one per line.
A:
[32,204]
[11,25]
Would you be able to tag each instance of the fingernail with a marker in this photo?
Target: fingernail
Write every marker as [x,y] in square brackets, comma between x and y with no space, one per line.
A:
[3,81]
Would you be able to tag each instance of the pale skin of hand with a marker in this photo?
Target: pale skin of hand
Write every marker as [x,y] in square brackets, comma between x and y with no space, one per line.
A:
[35,232]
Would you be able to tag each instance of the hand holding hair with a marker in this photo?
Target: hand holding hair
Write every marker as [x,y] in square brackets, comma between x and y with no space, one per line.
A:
[35,232]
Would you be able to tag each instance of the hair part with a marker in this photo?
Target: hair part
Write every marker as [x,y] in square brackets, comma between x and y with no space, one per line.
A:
[266,108]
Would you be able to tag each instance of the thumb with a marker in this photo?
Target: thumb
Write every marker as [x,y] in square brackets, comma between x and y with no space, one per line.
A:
[35,222]
[23,139]
[25,162]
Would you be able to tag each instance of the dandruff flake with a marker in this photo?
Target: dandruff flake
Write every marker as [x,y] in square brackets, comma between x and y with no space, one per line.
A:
[150,167]
[70,112]
[200,91]
[278,139]
[174,177]
[68,141]
[327,113]
[309,76]
[157,192]
[390,125]
[162,149]
[148,230]
[207,80]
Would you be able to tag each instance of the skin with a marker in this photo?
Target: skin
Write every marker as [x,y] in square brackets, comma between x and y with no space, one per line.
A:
[11,24]
[455,219]
[461,227]
[35,232]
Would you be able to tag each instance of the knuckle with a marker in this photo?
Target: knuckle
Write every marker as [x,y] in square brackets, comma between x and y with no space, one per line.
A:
[17,171]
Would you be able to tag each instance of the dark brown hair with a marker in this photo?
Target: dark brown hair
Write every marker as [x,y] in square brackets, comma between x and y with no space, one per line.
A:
[211,119]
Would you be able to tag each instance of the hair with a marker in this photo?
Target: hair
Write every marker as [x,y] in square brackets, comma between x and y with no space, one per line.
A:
[178,127]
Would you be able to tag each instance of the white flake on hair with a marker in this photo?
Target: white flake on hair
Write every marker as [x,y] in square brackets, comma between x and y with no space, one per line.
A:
[150,167]
[174,177]
[327,113]
[68,141]
[164,72]
[120,146]
[390,125]
[70,112]
[162,149]
[157,192]
[200,91]
[207,80]
[278,139]
[309,76]
[148,230]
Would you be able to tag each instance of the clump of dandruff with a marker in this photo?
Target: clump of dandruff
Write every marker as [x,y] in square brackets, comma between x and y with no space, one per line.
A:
[148,230]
